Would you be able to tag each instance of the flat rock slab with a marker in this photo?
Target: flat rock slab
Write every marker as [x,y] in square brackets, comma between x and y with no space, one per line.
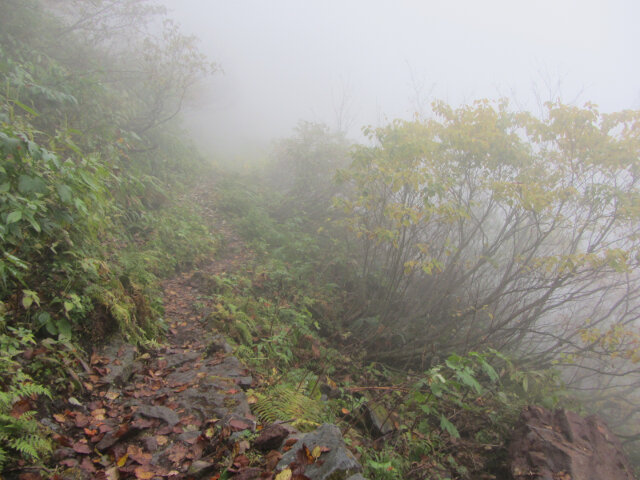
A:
[337,464]
[122,367]
[162,413]
[563,445]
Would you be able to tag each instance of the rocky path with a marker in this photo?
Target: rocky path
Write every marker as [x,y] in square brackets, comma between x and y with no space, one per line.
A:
[166,413]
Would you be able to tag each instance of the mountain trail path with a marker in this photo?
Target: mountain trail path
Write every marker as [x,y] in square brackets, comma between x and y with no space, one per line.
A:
[178,411]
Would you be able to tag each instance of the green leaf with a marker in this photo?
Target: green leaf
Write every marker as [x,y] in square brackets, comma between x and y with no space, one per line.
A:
[81,206]
[27,301]
[449,427]
[28,184]
[51,328]
[14,217]
[29,298]
[490,371]
[64,328]
[34,224]
[65,193]
[467,378]
[25,108]
[44,318]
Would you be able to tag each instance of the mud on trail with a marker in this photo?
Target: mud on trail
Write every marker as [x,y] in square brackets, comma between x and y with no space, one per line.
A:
[174,412]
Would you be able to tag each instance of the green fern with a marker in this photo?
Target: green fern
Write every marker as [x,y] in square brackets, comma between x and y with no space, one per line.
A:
[24,434]
[285,402]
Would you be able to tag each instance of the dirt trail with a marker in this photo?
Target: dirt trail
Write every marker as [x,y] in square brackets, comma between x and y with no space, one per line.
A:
[167,413]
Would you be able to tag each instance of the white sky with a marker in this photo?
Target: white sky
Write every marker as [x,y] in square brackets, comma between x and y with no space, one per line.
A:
[290,60]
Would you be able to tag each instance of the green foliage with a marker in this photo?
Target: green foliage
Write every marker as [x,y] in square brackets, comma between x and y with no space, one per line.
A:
[20,433]
[384,465]
[93,210]
[288,403]
[86,223]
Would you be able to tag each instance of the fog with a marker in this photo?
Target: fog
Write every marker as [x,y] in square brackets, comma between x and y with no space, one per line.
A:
[354,63]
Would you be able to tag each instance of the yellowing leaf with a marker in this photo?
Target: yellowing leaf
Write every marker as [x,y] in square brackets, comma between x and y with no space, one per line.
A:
[285,474]
[112,395]
[112,473]
[59,417]
[316,452]
[122,460]
[143,474]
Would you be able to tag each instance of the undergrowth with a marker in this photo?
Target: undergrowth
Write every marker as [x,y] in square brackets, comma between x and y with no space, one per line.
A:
[94,212]
[451,420]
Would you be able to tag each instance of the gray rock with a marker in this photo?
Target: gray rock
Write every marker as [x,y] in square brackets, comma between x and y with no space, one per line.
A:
[120,373]
[231,367]
[337,464]
[176,360]
[376,420]
[218,344]
[562,444]
[357,476]
[162,413]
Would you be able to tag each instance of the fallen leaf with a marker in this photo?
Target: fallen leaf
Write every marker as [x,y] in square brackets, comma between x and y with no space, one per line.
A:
[83,448]
[20,407]
[90,432]
[81,420]
[238,425]
[104,428]
[241,461]
[243,446]
[122,460]
[303,456]
[273,457]
[138,455]
[285,474]
[99,413]
[162,440]
[112,473]
[59,418]
[178,453]
[87,465]
[112,395]
[143,474]
[345,411]
[62,440]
